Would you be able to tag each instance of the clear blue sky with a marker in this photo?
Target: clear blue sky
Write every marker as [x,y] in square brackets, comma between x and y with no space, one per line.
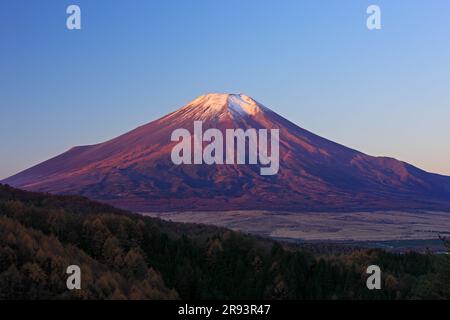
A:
[383,92]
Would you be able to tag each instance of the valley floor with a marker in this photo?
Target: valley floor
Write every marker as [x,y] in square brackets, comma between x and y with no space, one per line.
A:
[381,226]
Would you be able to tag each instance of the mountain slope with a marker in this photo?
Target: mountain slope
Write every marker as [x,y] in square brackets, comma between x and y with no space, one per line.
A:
[135,171]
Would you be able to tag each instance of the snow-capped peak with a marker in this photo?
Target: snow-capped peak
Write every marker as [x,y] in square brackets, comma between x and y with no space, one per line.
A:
[242,104]
[221,104]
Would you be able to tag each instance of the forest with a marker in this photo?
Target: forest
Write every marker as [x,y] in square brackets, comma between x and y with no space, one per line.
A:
[127,256]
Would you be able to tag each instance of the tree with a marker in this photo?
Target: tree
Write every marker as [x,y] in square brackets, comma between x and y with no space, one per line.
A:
[135,265]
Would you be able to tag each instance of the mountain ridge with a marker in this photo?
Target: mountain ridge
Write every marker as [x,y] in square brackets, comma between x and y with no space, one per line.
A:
[134,171]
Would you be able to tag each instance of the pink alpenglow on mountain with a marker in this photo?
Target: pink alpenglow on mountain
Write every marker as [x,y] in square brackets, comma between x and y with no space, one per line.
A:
[135,171]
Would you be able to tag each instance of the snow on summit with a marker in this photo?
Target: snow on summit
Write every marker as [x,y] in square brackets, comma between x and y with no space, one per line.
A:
[217,105]
[243,104]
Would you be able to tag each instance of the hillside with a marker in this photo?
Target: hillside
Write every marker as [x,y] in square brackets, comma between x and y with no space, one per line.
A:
[127,256]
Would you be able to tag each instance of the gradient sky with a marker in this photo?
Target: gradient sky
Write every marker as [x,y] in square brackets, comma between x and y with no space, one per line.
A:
[382,92]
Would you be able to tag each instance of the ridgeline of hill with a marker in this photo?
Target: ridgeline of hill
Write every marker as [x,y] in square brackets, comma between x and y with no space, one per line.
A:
[128,256]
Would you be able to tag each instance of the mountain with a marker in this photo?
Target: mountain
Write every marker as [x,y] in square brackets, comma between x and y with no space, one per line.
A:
[135,170]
